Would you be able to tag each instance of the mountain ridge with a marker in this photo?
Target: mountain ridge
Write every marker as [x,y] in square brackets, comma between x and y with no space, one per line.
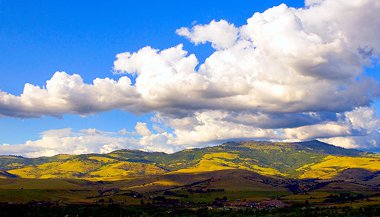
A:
[225,143]
[309,159]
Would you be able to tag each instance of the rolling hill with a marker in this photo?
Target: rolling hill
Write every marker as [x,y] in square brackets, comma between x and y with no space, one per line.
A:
[302,160]
[250,170]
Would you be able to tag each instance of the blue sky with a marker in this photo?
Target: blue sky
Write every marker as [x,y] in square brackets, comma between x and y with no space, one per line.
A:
[38,38]
[42,37]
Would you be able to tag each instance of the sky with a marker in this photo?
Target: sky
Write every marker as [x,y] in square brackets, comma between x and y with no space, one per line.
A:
[96,76]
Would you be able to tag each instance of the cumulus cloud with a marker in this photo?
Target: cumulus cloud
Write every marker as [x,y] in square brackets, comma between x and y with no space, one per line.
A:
[66,93]
[67,141]
[142,129]
[354,129]
[273,64]
[220,34]
[366,124]
[276,63]
[287,74]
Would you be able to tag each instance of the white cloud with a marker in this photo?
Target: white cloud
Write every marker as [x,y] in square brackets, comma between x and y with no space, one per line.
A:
[287,74]
[363,118]
[66,141]
[142,129]
[329,129]
[124,132]
[275,64]
[161,142]
[221,34]
[210,126]
[369,142]
[57,133]
[367,125]
[69,94]
[355,129]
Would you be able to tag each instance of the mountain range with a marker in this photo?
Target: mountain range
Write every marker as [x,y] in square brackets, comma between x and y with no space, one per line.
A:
[300,160]
[249,171]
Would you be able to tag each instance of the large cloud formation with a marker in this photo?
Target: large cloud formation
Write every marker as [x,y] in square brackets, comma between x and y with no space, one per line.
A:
[287,74]
[67,141]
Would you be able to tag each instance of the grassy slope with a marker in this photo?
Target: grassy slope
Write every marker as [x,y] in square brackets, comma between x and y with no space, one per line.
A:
[331,166]
[311,159]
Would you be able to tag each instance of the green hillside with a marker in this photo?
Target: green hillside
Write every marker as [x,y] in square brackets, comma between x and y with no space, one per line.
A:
[233,174]
[313,159]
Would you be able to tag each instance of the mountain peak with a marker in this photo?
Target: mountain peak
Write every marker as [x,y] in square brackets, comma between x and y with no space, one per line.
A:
[322,147]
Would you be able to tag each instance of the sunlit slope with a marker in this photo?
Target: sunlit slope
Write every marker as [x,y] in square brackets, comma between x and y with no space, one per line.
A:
[119,170]
[226,161]
[266,158]
[261,157]
[311,159]
[332,166]
[87,167]
[67,169]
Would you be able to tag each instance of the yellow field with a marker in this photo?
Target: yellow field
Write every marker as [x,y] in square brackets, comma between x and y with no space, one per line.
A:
[125,169]
[224,161]
[333,165]
[67,169]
